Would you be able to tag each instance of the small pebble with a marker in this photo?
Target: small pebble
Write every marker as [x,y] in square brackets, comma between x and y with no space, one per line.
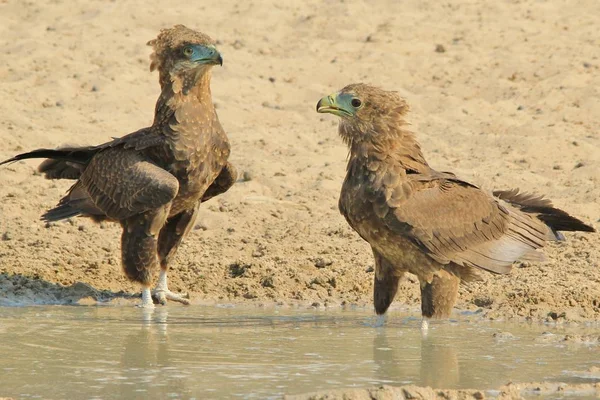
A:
[247,176]
[258,253]
[322,263]
[200,226]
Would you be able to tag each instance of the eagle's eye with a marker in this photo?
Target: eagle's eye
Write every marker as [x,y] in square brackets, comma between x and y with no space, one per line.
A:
[356,102]
[188,51]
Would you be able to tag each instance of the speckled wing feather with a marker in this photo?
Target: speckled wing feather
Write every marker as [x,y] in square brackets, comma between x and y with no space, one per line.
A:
[454,221]
[120,183]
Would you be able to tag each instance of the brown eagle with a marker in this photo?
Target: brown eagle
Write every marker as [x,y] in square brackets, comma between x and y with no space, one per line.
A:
[152,181]
[432,224]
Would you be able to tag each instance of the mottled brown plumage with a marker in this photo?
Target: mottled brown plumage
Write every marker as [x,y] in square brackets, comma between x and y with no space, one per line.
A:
[429,223]
[152,181]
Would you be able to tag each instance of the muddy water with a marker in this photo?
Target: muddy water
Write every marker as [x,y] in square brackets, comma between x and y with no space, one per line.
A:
[211,352]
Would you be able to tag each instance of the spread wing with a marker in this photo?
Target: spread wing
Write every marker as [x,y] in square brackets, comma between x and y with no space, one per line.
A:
[453,221]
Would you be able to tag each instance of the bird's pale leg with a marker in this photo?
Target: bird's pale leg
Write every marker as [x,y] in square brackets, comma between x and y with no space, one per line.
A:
[171,236]
[162,292]
[425,325]
[146,298]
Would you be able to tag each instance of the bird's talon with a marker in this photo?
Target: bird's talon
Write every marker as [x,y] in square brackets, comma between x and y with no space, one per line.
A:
[160,296]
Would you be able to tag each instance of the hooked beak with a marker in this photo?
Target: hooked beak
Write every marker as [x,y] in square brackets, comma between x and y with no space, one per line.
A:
[219,60]
[211,57]
[329,105]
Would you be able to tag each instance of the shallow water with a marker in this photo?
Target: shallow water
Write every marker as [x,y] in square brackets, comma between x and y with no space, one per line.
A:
[215,352]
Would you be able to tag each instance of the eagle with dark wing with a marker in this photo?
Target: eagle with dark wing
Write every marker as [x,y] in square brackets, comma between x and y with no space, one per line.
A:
[152,181]
[432,224]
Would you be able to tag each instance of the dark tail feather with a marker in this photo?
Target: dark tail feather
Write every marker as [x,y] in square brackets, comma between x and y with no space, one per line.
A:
[80,155]
[559,220]
[556,219]
[63,211]
[65,163]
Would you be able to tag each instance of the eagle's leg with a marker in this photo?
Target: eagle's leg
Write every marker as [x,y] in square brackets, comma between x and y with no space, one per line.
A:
[139,248]
[169,240]
[147,298]
[162,293]
[438,296]
[385,283]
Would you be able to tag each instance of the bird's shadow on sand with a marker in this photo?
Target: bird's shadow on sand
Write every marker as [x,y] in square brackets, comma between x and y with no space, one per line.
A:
[20,290]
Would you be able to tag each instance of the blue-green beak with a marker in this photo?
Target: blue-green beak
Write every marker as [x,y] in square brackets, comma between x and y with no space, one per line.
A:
[329,104]
[206,55]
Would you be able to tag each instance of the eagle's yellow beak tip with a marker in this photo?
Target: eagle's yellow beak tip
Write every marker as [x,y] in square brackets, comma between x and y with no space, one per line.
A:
[320,106]
[324,104]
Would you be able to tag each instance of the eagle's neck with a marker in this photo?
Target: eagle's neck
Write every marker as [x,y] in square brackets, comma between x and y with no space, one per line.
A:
[186,117]
[387,141]
[185,95]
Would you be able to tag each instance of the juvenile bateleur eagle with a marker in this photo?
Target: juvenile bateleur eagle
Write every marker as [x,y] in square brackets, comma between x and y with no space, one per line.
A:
[152,181]
[432,224]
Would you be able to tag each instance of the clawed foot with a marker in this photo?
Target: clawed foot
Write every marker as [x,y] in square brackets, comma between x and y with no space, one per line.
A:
[160,296]
[147,302]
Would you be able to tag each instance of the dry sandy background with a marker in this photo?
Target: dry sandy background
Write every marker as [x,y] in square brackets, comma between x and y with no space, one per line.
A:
[510,99]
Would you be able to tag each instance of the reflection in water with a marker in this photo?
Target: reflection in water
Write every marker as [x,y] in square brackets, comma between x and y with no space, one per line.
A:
[392,364]
[207,352]
[436,358]
[439,363]
[146,358]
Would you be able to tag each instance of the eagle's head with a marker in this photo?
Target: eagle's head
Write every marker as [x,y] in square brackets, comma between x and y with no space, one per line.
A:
[366,111]
[182,54]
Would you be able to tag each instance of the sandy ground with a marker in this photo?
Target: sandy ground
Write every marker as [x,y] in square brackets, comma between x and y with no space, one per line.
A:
[507,392]
[506,93]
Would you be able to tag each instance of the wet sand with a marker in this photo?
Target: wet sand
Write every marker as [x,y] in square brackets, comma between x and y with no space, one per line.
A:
[534,390]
